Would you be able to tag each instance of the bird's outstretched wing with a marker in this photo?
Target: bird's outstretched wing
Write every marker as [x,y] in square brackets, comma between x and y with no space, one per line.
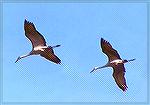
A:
[33,35]
[118,74]
[48,53]
[109,51]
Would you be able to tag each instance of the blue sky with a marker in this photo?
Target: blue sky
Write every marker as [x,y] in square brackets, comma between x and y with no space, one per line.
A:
[78,27]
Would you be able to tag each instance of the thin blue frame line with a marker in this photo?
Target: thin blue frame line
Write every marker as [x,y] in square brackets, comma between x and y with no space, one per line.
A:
[118,103]
[1,52]
[77,1]
[148,57]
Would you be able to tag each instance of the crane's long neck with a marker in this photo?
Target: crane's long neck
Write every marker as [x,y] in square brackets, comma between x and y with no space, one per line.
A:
[23,56]
[96,68]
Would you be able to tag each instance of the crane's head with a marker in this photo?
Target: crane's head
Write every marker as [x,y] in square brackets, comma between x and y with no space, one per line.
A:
[18,59]
[93,69]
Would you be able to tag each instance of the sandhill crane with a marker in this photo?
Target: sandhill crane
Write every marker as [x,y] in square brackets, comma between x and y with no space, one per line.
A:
[39,46]
[116,63]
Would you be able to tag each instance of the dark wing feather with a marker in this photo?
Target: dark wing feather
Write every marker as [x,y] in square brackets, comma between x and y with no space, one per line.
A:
[33,35]
[48,53]
[118,74]
[109,51]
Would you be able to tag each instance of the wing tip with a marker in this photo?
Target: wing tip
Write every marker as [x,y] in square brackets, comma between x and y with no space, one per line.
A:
[59,62]
[103,40]
[124,88]
[25,21]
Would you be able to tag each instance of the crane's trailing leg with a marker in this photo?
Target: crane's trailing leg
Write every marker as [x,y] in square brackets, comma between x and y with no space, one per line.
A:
[125,61]
[54,46]
[131,60]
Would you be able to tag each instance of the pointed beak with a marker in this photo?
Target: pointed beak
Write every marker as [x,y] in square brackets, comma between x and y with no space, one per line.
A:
[17,59]
[93,70]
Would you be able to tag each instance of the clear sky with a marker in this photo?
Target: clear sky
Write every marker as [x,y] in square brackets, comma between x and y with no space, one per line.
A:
[78,27]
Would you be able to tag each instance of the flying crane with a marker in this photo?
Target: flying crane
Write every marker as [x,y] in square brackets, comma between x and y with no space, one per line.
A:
[116,63]
[39,46]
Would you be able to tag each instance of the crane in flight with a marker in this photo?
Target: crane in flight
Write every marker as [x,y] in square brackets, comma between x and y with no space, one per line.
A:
[39,46]
[116,63]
